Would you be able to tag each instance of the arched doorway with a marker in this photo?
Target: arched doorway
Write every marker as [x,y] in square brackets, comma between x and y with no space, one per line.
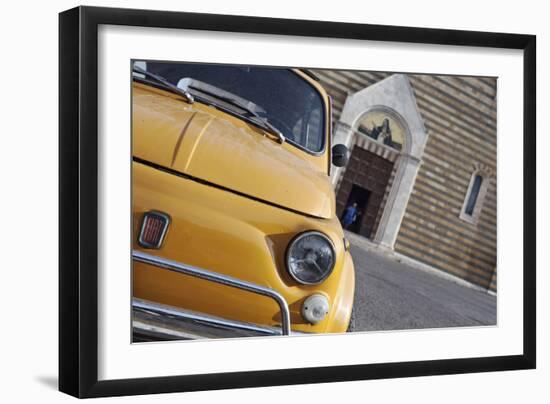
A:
[382,127]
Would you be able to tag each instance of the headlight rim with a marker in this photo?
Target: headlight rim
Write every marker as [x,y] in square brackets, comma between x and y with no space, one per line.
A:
[298,237]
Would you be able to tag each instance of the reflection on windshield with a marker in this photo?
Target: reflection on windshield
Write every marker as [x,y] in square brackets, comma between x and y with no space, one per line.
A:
[292,105]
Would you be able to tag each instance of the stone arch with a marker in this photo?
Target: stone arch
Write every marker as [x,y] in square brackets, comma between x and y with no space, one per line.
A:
[395,96]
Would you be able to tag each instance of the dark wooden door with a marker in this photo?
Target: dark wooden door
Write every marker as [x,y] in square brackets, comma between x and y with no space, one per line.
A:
[365,171]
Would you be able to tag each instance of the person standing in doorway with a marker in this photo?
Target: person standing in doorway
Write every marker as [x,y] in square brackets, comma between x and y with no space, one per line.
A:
[350,215]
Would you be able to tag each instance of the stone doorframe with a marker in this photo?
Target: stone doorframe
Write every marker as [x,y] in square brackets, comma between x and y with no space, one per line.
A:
[394,96]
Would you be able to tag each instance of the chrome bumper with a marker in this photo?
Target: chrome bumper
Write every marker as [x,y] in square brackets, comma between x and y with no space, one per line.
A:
[154,321]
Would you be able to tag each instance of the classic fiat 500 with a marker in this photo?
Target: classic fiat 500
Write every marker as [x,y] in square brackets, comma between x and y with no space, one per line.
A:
[234,225]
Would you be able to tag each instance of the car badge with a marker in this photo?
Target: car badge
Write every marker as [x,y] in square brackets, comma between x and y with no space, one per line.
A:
[153,229]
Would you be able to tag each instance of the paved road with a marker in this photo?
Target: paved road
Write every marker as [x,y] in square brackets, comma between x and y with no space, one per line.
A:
[393,296]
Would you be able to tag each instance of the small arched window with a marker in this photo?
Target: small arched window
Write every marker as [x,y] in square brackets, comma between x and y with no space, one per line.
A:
[475,195]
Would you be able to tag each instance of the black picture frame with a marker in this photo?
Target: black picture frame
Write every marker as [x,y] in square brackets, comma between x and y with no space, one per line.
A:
[78,200]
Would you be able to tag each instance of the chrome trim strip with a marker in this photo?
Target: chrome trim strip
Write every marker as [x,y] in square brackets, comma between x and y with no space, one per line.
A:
[190,270]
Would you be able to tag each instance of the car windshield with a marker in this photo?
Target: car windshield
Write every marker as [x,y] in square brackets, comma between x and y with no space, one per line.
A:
[291,104]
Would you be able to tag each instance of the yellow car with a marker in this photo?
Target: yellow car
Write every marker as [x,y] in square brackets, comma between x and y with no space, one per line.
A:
[235,230]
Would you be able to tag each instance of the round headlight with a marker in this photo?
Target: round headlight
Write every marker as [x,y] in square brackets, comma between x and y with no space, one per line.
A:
[310,257]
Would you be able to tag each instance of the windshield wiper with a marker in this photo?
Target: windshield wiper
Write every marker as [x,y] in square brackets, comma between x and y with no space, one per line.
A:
[165,83]
[253,110]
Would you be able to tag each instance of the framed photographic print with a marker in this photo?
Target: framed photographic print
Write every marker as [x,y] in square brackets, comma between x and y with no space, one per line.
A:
[251,201]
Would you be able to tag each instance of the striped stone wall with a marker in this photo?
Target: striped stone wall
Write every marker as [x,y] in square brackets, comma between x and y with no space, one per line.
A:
[460,116]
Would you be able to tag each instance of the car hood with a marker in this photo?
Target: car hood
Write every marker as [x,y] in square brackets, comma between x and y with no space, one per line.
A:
[210,145]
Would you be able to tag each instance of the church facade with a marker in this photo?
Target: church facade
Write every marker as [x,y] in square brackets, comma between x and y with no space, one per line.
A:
[422,168]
